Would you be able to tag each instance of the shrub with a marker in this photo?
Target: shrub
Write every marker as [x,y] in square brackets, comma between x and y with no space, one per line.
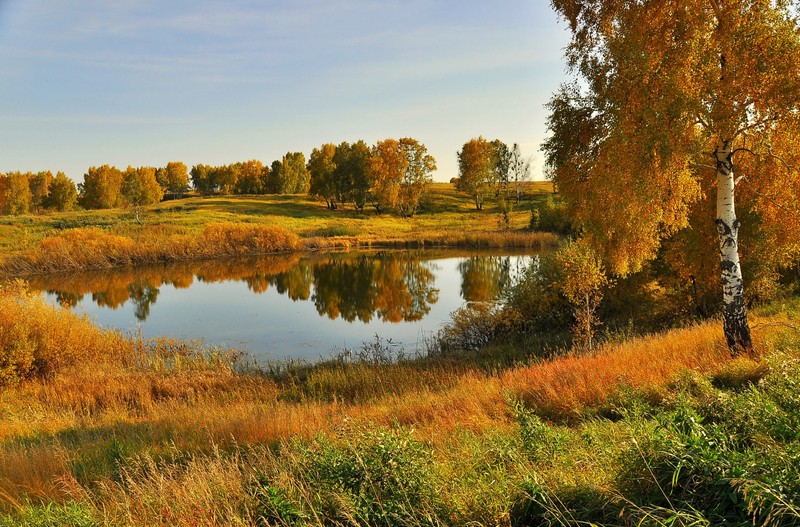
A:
[551,216]
[37,339]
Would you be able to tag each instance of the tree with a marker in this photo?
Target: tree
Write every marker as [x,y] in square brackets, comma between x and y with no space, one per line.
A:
[519,170]
[476,170]
[295,173]
[681,100]
[352,174]
[581,281]
[225,178]
[16,198]
[101,188]
[140,187]
[202,179]
[322,169]
[174,178]
[387,167]
[62,195]
[252,178]
[40,186]
[417,176]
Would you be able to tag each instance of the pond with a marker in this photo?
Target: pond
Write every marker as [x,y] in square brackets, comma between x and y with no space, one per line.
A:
[296,306]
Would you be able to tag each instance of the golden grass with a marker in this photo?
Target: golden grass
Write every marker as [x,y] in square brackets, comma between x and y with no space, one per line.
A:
[565,388]
[112,397]
[92,248]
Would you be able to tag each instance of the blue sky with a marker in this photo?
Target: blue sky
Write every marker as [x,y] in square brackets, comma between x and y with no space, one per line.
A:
[90,82]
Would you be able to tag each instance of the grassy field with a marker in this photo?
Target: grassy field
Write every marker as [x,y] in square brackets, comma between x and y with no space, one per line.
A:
[447,217]
[98,429]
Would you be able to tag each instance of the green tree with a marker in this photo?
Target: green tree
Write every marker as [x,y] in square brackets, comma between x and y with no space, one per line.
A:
[101,188]
[476,170]
[352,174]
[203,179]
[296,175]
[679,100]
[322,169]
[63,194]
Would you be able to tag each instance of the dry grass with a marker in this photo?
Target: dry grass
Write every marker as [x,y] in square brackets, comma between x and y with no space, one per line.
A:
[568,387]
[92,248]
[108,402]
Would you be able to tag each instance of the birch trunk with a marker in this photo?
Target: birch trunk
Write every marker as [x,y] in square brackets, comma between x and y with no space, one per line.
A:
[734,312]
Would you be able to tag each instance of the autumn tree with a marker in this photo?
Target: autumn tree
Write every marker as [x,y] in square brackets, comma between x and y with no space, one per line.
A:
[140,187]
[388,165]
[581,281]
[62,194]
[252,178]
[416,177]
[679,100]
[322,171]
[39,184]
[16,193]
[174,178]
[476,170]
[101,188]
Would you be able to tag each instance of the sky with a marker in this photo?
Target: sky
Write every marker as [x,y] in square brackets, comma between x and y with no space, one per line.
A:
[92,82]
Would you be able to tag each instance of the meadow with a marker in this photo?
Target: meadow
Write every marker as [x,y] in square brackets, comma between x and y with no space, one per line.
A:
[100,428]
[211,227]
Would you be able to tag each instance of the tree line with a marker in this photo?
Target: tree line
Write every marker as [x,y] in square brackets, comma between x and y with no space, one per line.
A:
[390,176]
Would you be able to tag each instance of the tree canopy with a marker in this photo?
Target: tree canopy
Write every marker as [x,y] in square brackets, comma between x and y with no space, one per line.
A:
[672,96]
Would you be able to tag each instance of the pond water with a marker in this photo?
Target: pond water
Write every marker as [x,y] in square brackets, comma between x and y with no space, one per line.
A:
[297,306]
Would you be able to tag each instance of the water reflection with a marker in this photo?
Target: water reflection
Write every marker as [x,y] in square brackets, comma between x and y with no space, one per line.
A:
[290,306]
[392,286]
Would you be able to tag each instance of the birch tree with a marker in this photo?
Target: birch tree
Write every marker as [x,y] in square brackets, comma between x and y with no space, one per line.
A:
[679,100]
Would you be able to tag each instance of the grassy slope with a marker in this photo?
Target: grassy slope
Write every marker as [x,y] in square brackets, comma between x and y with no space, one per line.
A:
[164,433]
[444,211]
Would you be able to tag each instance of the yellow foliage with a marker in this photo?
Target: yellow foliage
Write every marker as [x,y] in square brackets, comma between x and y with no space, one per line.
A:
[37,339]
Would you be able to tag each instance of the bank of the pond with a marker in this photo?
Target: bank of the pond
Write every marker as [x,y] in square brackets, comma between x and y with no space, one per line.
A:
[221,226]
[167,432]
[96,249]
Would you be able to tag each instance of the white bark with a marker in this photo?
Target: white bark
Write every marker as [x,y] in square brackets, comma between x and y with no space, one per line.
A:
[734,312]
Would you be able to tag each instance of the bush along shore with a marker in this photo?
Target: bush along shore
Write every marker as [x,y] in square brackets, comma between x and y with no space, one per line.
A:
[668,429]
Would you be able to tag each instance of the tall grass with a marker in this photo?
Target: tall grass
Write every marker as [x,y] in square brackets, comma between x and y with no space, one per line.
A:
[37,340]
[164,432]
[566,388]
[92,248]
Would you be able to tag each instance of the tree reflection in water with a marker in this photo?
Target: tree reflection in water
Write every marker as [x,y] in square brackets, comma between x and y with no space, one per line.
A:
[390,286]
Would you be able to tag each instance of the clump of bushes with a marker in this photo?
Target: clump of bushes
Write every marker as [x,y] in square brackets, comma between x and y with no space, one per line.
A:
[551,216]
[37,339]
